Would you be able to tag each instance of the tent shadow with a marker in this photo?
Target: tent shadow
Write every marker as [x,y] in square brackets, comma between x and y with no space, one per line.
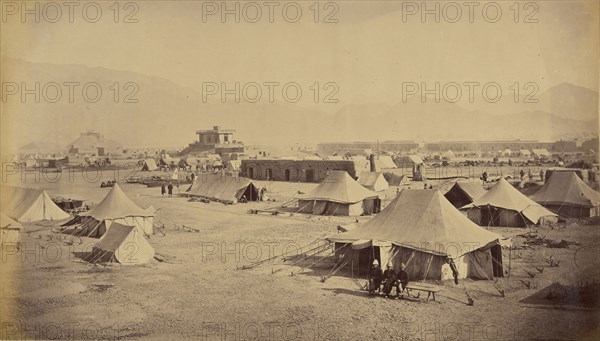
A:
[83,256]
[356,292]
[560,297]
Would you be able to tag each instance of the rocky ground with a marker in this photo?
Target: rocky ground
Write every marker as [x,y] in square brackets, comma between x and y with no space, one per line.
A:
[198,290]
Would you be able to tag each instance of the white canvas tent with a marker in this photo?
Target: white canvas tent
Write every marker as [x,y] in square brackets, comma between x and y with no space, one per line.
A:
[9,230]
[116,207]
[373,181]
[123,244]
[149,165]
[463,193]
[339,194]
[421,229]
[28,205]
[566,194]
[222,188]
[504,205]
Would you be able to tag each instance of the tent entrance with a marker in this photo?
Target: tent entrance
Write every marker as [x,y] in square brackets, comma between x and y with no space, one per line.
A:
[251,193]
[497,261]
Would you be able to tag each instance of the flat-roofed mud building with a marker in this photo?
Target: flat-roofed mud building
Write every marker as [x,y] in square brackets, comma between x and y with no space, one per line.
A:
[299,170]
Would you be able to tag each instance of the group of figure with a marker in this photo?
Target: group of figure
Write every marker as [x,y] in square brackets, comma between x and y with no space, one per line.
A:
[169,187]
[384,281]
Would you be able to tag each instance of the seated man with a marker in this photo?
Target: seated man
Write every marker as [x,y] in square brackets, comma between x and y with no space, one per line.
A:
[375,278]
[402,278]
[390,280]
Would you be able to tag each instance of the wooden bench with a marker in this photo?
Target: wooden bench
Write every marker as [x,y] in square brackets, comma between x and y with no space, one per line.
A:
[430,289]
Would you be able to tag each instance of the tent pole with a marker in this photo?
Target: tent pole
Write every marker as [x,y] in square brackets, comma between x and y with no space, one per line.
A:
[509,259]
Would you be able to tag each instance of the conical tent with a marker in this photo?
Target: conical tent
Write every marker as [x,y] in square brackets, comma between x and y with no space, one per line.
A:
[149,165]
[504,205]
[28,205]
[373,181]
[339,194]
[116,207]
[463,193]
[9,230]
[123,244]
[423,230]
[566,194]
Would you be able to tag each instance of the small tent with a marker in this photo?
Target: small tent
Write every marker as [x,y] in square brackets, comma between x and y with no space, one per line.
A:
[384,161]
[223,188]
[421,229]
[373,181]
[463,193]
[525,153]
[339,194]
[28,204]
[504,205]
[540,153]
[9,230]
[124,244]
[116,207]
[567,195]
[149,165]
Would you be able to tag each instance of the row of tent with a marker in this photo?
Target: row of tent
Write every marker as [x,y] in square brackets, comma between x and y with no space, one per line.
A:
[435,240]
[122,227]
[564,194]
[120,224]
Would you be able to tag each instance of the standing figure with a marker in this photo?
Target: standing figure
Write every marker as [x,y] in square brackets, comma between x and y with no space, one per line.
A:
[163,189]
[170,188]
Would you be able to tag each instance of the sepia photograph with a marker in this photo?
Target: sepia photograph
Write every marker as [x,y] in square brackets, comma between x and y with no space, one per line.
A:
[299,170]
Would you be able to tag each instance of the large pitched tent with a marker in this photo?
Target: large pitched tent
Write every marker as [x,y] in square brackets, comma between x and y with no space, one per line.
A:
[421,229]
[339,194]
[149,165]
[463,193]
[116,207]
[28,204]
[9,230]
[566,194]
[123,244]
[373,181]
[504,205]
[223,188]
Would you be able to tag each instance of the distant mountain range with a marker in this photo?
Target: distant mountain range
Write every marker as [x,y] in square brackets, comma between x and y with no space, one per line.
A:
[169,114]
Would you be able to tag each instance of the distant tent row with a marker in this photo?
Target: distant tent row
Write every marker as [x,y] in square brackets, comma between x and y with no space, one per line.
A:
[463,193]
[504,205]
[28,204]
[116,207]
[421,229]
[223,188]
[9,230]
[339,194]
[567,195]
[373,181]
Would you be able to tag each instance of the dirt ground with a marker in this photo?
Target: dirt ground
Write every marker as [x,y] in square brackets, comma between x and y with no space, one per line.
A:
[199,291]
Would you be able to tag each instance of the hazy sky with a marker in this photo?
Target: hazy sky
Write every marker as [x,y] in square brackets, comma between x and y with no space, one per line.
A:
[374,47]
[368,48]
